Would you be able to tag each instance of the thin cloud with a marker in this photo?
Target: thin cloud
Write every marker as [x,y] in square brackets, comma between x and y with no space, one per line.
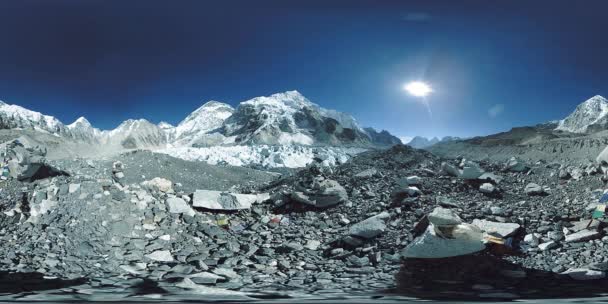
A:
[496,110]
[416,17]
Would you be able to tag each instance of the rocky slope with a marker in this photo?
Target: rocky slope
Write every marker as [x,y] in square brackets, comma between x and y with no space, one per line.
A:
[323,230]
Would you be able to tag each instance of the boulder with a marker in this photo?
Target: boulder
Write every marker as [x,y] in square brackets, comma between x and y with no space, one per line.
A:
[534,189]
[502,230]
[582,236]
[602,158]
[467,239]
[444,217]
[450,169]
[487,188]
[490,178]
[370,227]
[471,171]
[367,173]
[160,256]
[159,184]
[515,165]
[585,274]
[547,246]
[219,200]
[178,205]
[321,194]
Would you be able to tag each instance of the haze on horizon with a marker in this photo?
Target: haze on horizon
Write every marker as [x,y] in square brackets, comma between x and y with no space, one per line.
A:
[492,66]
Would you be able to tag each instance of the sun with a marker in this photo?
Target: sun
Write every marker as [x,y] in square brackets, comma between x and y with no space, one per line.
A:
[418,88]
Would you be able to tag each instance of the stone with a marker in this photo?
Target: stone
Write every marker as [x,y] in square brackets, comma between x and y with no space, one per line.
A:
[515,165]
[467,239]
[205,278]
[178,205]
[413,180]
[471,171]
[582,236]
[532,239]
[490,177]
[487,188]
[450,169]
[534,189]
[367,173]
[159,184]
[370,227]
[219,200]
[585,274]
[502,230]
[161,256]
[602,158]
[547,246]
[444,217]
[73,188]
[312,244]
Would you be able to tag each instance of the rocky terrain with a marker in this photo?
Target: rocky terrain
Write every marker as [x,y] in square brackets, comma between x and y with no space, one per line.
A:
[187,228]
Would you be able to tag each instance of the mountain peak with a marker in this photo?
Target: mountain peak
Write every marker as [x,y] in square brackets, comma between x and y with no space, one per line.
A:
[81,121]
[592,111]
[165,125]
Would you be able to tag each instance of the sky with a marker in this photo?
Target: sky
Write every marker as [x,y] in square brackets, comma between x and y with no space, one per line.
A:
[492,65]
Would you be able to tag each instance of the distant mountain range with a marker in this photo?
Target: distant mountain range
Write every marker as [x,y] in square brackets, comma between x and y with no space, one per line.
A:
[281,119]
[421,142]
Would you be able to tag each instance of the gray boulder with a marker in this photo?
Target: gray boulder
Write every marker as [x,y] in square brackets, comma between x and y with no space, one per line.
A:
[321,194]
[444,217]
[370,227]
[467,239]
[178,205]
[502,230]
[219,200]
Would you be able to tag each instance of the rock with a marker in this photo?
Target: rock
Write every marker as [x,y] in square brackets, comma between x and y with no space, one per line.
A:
[547,246]
[582,236]
[515,165]
[502,230]
[160,256]
[532,239]
[490,177]
[178,205]
[413,180]
[205,278]
[444,217]
[471,171]
[487,188]
[73,188]
[218,200]
[450,169]
[602,158]
[370,227]
[534,189]
[585,274]
[323,194]
[159,184]
[367,173]
[312,244]
[467,239]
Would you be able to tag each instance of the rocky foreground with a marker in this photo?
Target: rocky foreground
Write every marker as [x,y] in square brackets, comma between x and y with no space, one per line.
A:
[345,229]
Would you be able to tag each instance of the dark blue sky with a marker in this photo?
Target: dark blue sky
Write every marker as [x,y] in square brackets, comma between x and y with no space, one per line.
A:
[113,60]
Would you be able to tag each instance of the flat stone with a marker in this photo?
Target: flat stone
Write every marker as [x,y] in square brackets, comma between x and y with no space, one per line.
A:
[487,188]
[444,217]
[370,227]
[585,274]
[431,246]
[547,246]
[160,256]
[502,230]
[178,205]
[219,200]
[582,236]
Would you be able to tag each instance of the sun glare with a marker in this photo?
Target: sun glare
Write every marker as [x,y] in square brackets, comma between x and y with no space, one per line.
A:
[418,88]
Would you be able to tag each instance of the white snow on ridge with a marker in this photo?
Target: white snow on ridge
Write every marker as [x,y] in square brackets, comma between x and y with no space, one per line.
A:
[25,116]
[592,111]
[263,155]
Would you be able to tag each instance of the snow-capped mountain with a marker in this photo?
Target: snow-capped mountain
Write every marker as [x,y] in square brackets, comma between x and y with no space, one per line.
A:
[420,142]
[290,118]
[136,133]
[588,116]
[286,118]
[196,128]
[16,117]
[81,129]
